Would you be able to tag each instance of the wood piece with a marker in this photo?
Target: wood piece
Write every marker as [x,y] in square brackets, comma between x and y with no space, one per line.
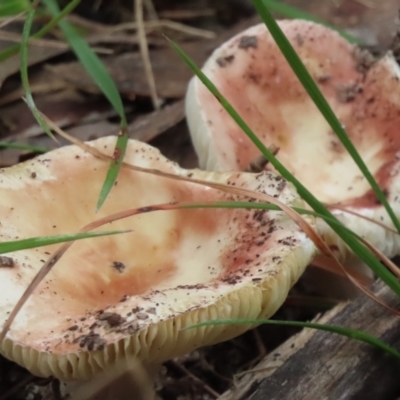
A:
[322,365]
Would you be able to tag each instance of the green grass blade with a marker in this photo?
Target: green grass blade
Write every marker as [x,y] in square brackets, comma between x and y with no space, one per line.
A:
[115,167]
[350,333]
[293,12]
[98,72]
[12,50]
[20,146]
[24,73]
[90,61]
[358,248]
[13,7]
[23,244]
[319,100]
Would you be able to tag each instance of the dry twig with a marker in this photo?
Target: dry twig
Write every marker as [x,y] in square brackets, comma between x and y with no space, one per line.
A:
[144,50]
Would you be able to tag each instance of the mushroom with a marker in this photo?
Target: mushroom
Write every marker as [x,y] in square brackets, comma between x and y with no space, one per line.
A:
[131,296]
[250,71]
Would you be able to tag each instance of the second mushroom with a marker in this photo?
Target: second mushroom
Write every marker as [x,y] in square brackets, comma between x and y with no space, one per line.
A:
[253,75]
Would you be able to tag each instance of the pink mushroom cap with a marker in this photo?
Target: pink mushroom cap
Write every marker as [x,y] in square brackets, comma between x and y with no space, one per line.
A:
[251,72]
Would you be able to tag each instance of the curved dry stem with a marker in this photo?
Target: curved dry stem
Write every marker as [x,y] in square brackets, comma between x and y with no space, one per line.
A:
[373,221]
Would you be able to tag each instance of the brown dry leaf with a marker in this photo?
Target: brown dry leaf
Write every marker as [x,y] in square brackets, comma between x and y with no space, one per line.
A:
[37,54]
[67,107]
[41,81]
[127,70]
[145,128]
[170,72]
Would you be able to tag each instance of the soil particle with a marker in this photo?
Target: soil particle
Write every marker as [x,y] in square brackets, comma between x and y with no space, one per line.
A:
[289,241]
[73,328]
[259,215]
[92,341]
[198,286]
[347,93]
[224,61]
[259,164]
[142,315]
[247,42]
[324,78]
[133,328]
[118,266]
[231,280]
[364,60]
[113,319]
[6,262]
[299,40]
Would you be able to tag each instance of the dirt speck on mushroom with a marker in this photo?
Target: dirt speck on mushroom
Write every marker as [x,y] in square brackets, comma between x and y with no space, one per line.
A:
[299,40]
[92,341]
[247,42]
[224,61]
[142,315]
[113,319]
[364,60]
[6,262]
[346,93]
[118,266]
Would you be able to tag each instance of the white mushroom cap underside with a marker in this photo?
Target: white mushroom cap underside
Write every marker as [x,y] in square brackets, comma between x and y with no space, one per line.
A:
[176,268]
[252,74]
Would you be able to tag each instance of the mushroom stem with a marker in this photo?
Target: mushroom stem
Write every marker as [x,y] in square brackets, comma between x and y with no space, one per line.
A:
[124,381]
